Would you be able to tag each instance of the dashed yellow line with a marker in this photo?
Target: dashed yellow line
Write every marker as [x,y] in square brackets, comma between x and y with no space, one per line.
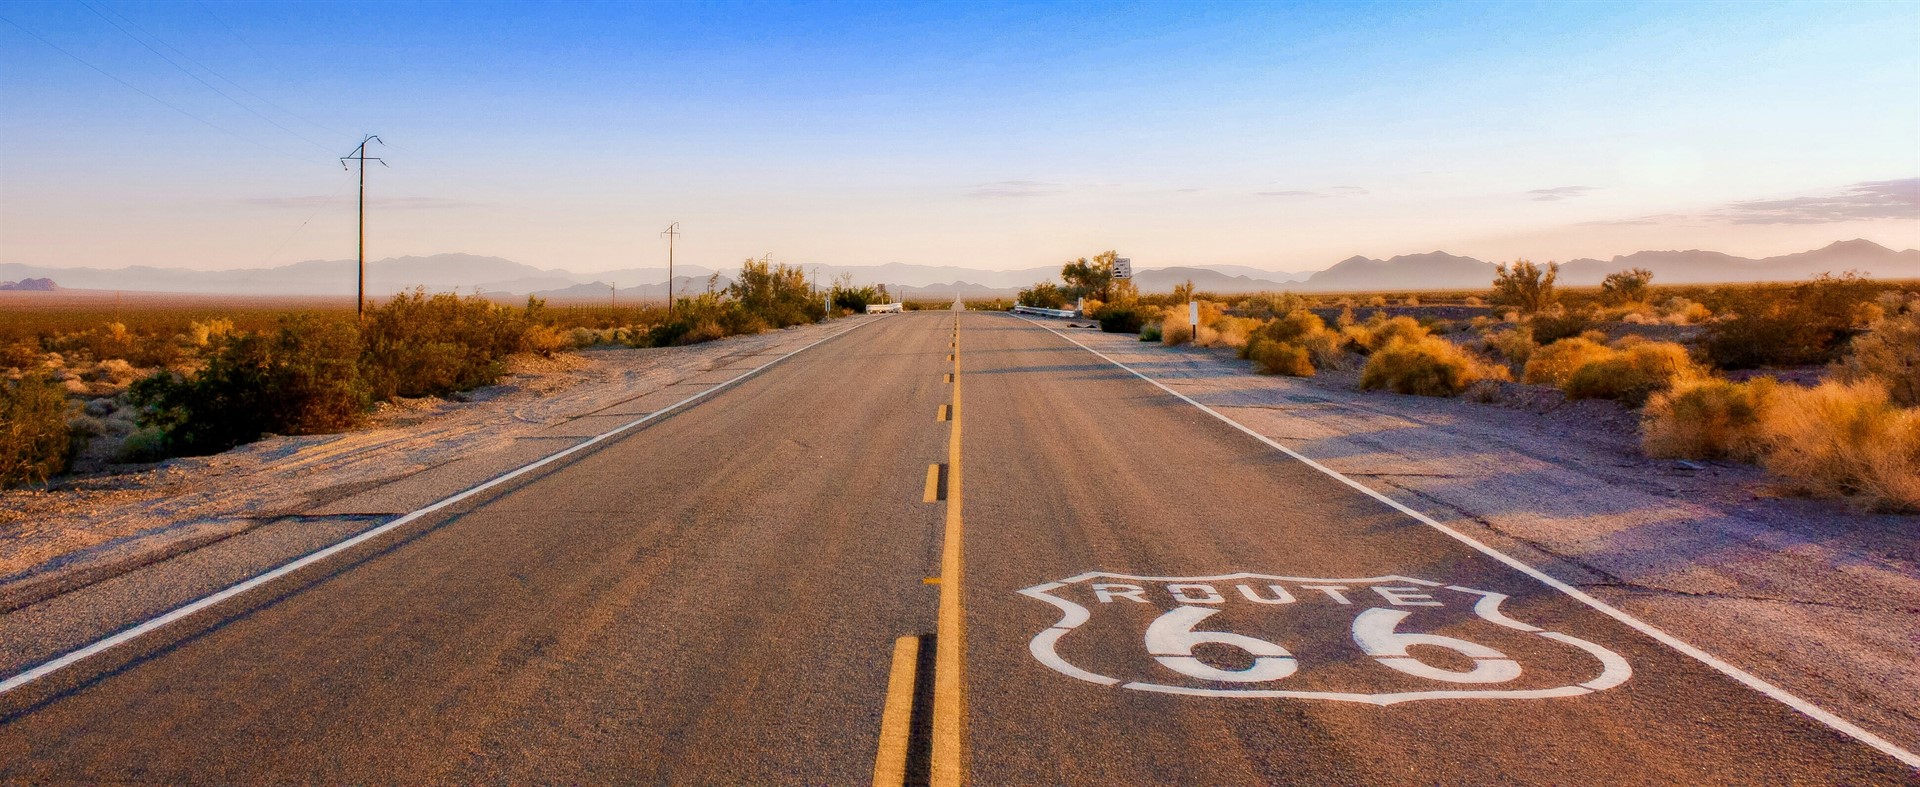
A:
[932,494]
[945,413]
[890,766]
[948,763]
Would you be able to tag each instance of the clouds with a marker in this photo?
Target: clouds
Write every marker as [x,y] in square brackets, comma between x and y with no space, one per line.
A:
[1015,189]
[1874,199]
[1643,221]
[1336,191]
[1558,193]
[315,202]
[1865,201]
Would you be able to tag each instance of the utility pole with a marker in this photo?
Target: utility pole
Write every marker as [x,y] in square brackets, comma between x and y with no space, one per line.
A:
[360,154]
[672,231]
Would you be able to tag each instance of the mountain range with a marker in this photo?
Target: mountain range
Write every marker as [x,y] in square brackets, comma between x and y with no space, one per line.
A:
[505,278]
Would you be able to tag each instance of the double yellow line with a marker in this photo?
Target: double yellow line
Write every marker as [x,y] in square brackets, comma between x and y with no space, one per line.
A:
[950,641]
[947,763]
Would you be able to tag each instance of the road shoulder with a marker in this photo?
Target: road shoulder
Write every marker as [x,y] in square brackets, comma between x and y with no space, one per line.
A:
[1810,596]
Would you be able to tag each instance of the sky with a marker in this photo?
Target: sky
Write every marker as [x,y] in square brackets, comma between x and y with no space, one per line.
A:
[207,134]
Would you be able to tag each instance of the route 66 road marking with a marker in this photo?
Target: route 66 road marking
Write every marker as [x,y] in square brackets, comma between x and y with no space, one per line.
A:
[1374,640]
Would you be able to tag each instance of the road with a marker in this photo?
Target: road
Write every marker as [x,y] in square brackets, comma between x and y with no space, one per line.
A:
[1142,594]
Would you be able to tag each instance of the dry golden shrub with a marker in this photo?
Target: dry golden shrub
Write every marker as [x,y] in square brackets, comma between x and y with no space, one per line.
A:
[1426,366]
[1176,330]
[1845,440]
[1707,419]
[1231,331]
[1516,345]
[1889,354]
[1554,364]
[1379,331]
[1633,373]
[1270,357]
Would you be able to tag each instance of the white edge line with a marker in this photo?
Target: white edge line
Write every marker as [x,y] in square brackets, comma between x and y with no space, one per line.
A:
[124,636]
[1781,695]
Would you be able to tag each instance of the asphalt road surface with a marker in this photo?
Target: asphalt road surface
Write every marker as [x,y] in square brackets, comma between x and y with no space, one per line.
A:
[715,597]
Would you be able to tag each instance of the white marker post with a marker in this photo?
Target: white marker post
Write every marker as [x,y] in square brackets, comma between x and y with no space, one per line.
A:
[1193,320]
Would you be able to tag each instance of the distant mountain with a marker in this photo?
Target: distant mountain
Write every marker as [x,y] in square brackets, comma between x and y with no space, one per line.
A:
[1704,267]
[1439,270]
[602,292]
[29,285]
[440,272]
[507,279]
[1204,280]
[1433,270]
[1262,273]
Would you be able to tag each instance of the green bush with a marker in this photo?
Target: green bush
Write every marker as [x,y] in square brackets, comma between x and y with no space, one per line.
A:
[35,442]
[303,379]
[1889,354]
[775,294]
[1560,323]
[431,345]
[1525,286]
[1628,286]
[1044,295]
[1124,317]
[1806,324]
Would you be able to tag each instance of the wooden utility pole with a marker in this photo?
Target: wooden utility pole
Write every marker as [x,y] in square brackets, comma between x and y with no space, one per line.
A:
[672,231]
[359,154]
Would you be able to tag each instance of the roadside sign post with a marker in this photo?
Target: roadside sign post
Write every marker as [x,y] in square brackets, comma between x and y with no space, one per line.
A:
[1193,320]
[1122,268]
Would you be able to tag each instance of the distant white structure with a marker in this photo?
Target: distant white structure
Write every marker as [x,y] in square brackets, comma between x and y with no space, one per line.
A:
[885,308]
[1067,313]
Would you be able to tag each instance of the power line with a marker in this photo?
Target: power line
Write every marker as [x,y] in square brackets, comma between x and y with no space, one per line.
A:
[303,225]
[196,77]
[243,88]
[235,33]
[158,100]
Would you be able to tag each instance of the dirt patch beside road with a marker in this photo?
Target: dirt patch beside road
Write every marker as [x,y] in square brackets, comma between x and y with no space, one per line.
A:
[87,528]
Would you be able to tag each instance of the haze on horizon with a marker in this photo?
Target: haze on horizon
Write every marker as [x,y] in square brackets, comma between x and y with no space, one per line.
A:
[1282,137]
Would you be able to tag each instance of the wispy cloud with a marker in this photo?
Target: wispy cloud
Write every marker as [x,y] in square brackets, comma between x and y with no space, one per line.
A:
[1865,201]
[1558,193]
[1015,188]
[1643,221]
[1336,191]
[1874,199]
[391,203]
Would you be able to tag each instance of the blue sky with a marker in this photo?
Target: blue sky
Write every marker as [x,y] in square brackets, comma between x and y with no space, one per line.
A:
[995,136]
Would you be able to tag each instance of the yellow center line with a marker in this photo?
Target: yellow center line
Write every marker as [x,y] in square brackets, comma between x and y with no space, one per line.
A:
[948,763]
[890,766]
